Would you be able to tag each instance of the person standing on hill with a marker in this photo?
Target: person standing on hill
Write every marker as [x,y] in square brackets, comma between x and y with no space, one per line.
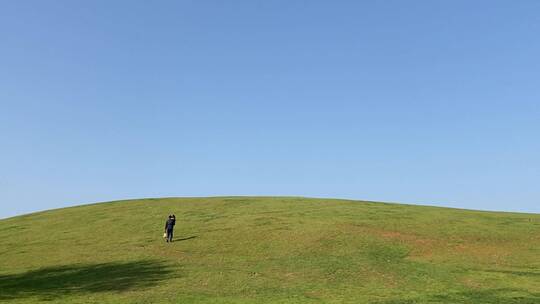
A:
[169,227]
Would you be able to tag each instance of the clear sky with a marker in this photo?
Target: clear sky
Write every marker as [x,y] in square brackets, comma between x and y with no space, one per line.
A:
[425,102]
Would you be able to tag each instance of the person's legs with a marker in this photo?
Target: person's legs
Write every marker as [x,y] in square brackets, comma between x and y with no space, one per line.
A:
[169,235]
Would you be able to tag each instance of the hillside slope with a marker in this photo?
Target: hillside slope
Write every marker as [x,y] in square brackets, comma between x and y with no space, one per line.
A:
[269,250]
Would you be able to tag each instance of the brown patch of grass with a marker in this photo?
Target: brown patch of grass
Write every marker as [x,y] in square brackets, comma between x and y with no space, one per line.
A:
[492,253]
[420,246]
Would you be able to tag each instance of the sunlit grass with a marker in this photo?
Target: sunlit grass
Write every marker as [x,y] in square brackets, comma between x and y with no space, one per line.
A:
[269,250]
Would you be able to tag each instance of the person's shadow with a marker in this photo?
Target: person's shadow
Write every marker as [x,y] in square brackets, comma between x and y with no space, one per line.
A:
[186,238]
[55,282]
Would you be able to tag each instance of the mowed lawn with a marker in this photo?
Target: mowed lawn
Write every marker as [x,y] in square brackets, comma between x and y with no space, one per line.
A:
[270,250]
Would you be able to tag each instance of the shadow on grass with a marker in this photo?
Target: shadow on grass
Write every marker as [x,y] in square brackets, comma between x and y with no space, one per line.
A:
[517,273]
[486,296]
[55,282]
[186,238]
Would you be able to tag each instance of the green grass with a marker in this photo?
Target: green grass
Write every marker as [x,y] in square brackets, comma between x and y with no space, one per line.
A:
[270,250]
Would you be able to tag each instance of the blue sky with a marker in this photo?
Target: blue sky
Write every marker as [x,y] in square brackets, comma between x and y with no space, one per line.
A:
[428,102]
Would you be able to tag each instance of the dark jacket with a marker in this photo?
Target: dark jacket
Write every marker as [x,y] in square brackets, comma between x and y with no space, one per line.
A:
[169,224]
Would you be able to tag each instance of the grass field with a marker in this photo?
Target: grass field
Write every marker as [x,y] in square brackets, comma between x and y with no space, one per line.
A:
[270,250]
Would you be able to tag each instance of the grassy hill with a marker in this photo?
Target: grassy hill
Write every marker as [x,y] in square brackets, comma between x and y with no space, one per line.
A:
[270,250]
